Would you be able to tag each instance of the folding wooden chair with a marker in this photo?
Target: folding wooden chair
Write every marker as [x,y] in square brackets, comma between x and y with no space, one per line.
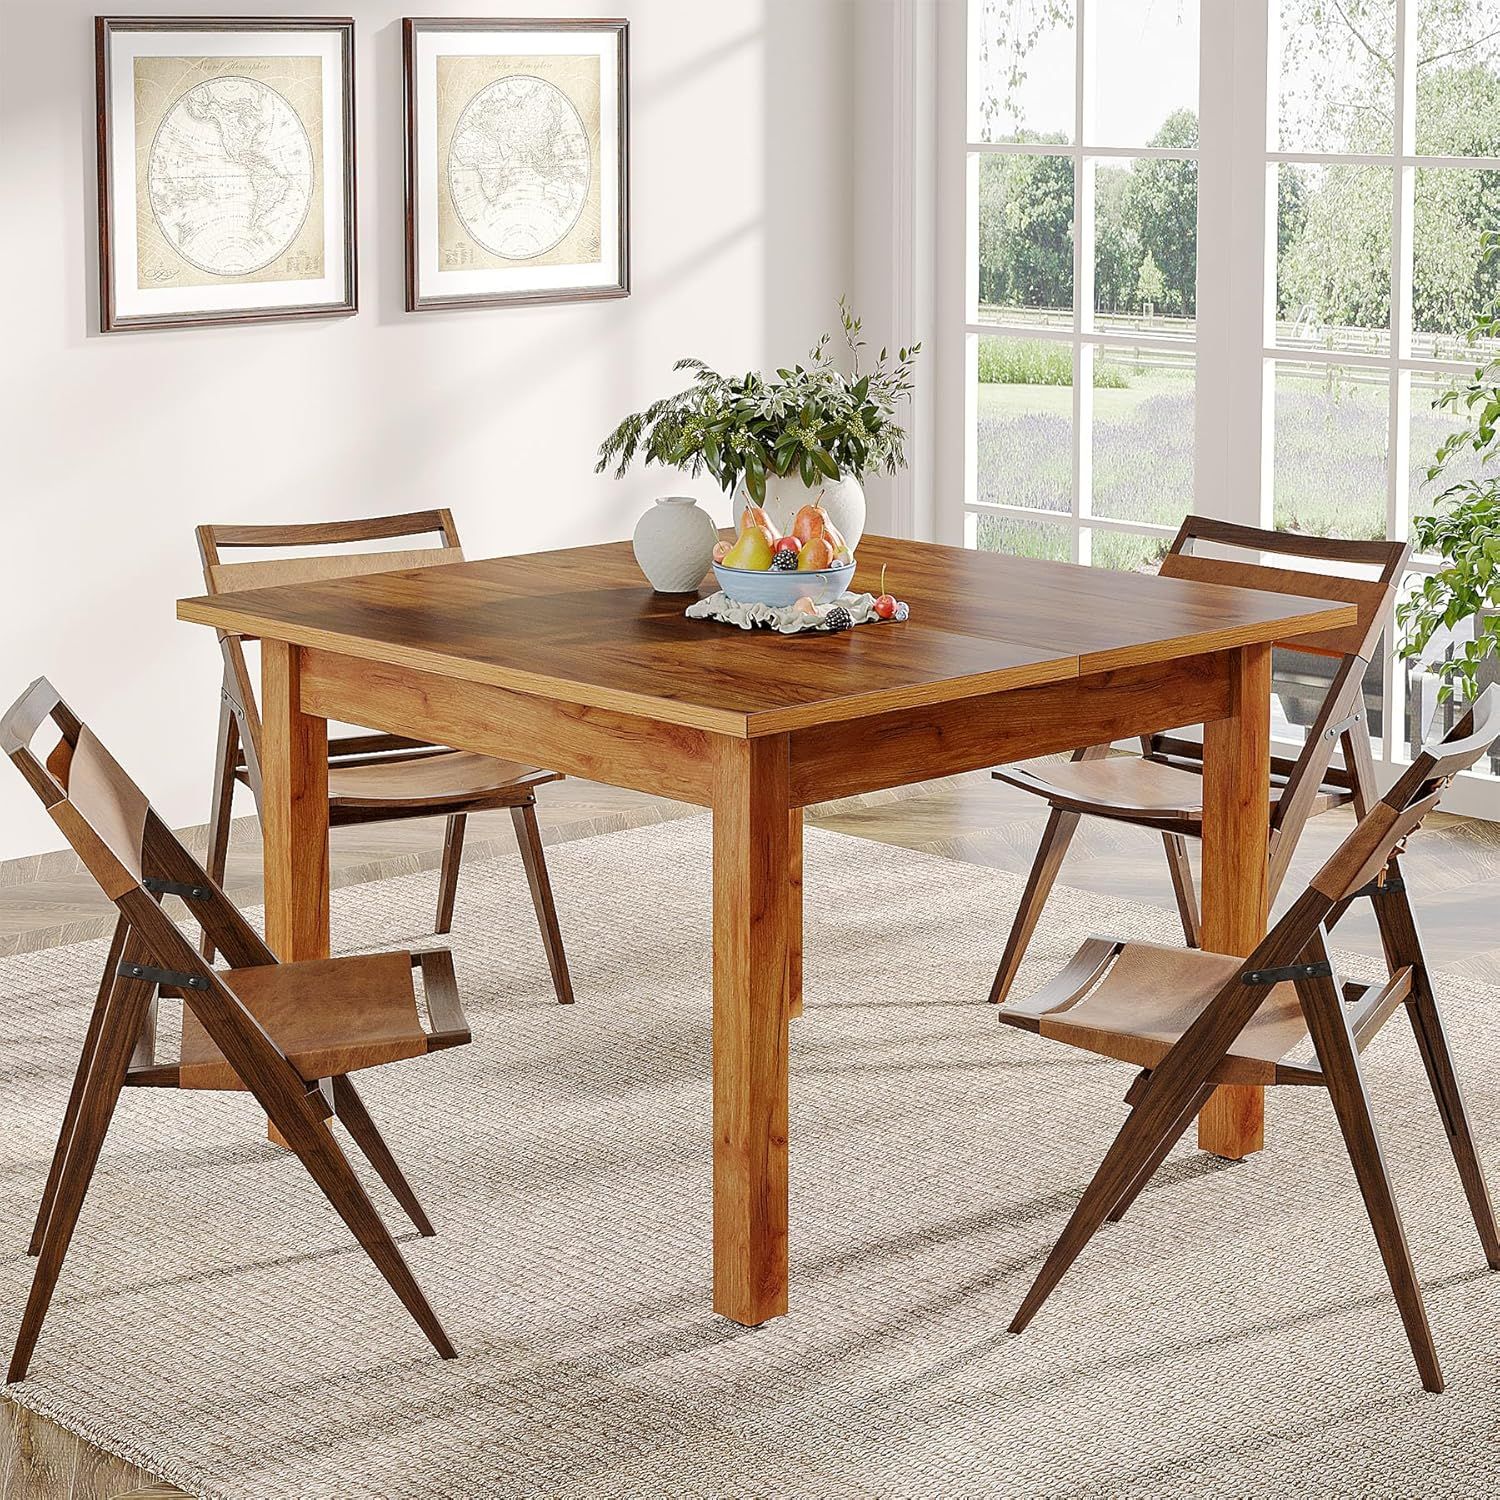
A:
[372,778]
[1192,1020]
[1163,788]
[289,1033]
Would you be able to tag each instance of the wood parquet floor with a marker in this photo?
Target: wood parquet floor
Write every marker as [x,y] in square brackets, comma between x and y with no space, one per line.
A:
[1454,868]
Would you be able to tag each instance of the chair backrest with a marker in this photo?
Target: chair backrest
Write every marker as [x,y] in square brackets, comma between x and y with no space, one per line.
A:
[222,577]
[110,824]
[100,810]
[434,528]
[1372,596]
[1380,833]
[1338,716]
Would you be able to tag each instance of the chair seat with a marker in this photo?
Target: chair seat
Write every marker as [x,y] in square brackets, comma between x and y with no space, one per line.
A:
[329,1015]
[1148,997]
[451,776]
[1130,786]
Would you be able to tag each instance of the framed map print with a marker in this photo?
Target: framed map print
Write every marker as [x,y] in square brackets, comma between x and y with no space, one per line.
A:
[517,162]
[226,170]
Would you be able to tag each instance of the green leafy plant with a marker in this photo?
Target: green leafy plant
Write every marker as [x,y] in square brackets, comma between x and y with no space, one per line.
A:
[1464,525]
[813,420]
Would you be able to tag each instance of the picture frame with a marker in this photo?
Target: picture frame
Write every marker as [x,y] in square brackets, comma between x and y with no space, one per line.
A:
[225,158]
[517,161]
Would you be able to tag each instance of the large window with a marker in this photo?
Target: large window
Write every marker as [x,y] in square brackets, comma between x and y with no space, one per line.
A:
[1372,127]
[1083,170]
[1384,169]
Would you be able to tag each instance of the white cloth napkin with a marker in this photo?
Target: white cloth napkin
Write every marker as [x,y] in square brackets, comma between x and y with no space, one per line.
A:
[787,621]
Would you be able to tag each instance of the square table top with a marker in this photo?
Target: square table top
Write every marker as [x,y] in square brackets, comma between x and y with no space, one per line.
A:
[583,626]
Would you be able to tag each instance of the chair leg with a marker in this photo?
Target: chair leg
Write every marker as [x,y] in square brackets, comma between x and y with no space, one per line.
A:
[1049,857]
[1427,1023]
[127,1006]
[1182,884]
[529,837]
[318,1150]
[1130,1154]
[1157,1157]
[221,805]
[453,853]
[350,1108]
[1403,945]
[1340,1062]
[80,1080]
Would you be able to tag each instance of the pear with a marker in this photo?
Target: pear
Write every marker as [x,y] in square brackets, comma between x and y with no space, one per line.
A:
[808,523]
[754,518]
[816,553]
[752,551]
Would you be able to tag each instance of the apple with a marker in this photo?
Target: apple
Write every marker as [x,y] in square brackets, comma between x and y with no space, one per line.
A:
[721,550]
[752,551]
[787,544]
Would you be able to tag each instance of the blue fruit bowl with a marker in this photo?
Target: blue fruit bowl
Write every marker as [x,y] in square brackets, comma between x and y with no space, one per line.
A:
[778,590]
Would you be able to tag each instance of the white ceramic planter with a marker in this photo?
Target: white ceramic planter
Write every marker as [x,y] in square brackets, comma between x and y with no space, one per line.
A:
[843,499]
[674,544]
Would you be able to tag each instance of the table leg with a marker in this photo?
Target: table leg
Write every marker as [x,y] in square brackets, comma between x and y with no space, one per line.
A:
[751,878]
[1236,795]
[293,814]
[794,916]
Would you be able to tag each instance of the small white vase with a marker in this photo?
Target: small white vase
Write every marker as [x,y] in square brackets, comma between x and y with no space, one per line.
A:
[843,499]
[674,544]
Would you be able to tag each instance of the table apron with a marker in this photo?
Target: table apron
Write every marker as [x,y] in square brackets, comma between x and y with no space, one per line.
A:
[918,744]
[669,760]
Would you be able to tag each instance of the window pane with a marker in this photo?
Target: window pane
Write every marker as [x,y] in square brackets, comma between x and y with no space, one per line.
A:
[1428,716]
[1022,64]
[1143,436]
[1025,415]
[1332,424]
[1430,426]
[1458,79]
[1452,282]
[1146,245]
[1021,538]
[1125,552]
[1026,239]
[1337,83]
[1333,257]
[1145,72]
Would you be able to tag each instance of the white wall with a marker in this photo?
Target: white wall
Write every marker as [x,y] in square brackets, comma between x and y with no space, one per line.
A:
[112,448]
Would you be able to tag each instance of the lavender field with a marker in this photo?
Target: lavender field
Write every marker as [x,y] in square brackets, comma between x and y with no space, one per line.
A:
[1331,455]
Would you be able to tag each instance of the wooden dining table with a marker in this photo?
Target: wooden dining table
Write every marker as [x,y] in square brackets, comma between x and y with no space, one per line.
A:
[567,659]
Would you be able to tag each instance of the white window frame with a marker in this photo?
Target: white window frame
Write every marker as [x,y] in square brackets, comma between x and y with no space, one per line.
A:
[1235,345]
[1084,336]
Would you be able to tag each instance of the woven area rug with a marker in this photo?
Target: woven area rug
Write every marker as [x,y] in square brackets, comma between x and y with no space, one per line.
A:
[1234,1336]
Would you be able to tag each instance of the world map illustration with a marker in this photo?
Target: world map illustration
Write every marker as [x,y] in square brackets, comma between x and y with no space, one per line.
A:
[519,167]
[230,175]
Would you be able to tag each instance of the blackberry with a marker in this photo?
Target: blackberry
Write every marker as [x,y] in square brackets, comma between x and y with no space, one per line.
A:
[837,618]
[785,562]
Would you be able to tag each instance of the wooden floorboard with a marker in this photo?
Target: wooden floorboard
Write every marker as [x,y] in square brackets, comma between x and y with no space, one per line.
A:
[1453,868]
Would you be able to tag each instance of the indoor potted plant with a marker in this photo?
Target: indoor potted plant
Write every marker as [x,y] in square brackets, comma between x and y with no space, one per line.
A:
[808,432]
[1451,624]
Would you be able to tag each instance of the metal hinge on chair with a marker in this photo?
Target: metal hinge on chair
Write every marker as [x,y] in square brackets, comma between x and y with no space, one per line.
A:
[162,976]
[1289,971]
[1393,884]
[160,887]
